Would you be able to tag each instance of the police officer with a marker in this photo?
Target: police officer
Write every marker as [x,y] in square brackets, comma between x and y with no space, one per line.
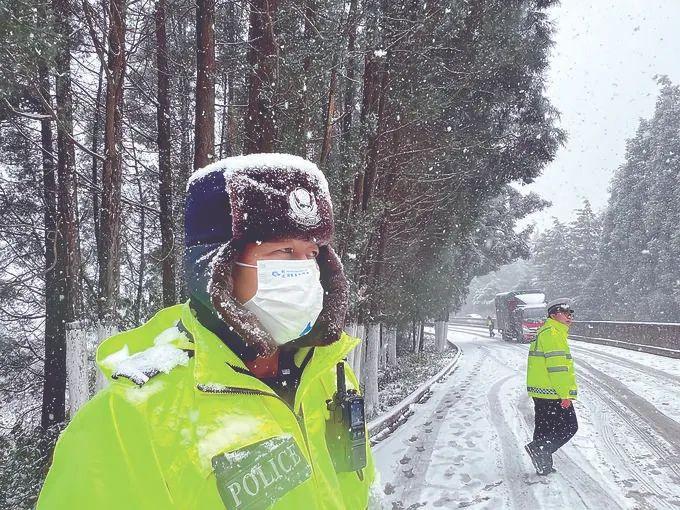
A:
[551,383]
[223,401]
[490,325]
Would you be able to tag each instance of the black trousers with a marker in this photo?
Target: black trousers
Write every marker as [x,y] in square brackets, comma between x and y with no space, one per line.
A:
[554,426]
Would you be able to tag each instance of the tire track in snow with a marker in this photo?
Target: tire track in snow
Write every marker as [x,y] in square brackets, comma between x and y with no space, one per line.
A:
[418,456]
[634,409]
[625,397]
[514,469]
[617,397]
[615,448]
[589,490]
[653,495]
[619,361]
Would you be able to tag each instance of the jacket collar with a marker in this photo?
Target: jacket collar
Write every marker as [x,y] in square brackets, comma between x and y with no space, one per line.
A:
[217,367]
[552,323]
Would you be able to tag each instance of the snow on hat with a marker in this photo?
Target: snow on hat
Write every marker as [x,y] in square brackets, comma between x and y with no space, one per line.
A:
[259,198]
[559,304]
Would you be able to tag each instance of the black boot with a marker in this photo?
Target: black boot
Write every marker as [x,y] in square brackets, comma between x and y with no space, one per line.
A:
[542,461]
[549,463]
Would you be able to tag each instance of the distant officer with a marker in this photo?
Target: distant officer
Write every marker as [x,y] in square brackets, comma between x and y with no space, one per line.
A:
[551,382]
[490,325]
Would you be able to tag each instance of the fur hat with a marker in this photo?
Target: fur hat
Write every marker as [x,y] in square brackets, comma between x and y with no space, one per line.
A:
[259,198]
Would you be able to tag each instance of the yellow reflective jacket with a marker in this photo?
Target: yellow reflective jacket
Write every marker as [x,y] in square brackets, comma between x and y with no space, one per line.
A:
[184,426]
[550,367]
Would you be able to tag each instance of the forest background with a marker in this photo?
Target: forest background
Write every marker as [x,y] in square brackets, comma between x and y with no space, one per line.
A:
[620,263]
[421,115]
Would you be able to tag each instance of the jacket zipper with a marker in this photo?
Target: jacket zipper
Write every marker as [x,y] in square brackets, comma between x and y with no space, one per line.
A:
[249,391]
[239,391]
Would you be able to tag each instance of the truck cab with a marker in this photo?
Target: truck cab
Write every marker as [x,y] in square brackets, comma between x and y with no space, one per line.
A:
[532,318]
[519,314]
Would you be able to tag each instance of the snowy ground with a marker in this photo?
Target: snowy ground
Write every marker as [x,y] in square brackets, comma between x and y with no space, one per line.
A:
[413,369]
[464,446]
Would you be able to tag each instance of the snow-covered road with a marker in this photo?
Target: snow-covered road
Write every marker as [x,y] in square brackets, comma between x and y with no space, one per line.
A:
[464,446]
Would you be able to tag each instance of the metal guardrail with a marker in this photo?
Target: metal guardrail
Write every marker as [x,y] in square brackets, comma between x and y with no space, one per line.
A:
[469,321]
[659,338]
[652,337]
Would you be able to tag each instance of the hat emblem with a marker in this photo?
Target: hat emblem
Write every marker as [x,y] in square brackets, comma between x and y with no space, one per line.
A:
[303,207]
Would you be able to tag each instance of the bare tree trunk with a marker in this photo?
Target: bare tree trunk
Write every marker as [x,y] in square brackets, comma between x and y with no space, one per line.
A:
[230,120]
[402,335]
[102,332]
[260,127]
[232,123]
[205,84]
[371,370]
[224,117]
[303,113]
[369,104]
[346,138]
[392,347]
[414,337]
[328,130]
[372,119]
[360,353]
[164,141]
[142,242]
[94,171]
[110,220]
[54,325]
[383,347]
[348,112]
[371,172]
[67,263]
[421,345]
[142,265]
[67,191]
[441,330]
[185,166]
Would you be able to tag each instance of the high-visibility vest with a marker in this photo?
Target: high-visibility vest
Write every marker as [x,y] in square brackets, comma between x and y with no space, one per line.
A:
[550,367]
[185,426]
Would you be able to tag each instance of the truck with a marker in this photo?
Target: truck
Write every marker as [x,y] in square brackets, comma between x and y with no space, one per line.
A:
[519,314]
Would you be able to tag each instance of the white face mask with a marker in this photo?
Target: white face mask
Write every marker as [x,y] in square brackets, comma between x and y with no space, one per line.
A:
[289,297]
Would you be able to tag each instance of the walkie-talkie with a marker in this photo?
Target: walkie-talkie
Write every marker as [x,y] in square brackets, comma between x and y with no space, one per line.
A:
[346,428]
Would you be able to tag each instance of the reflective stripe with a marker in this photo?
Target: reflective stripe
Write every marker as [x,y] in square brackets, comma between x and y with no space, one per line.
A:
[548,391]
[542,391]
[550,354]
[558,369]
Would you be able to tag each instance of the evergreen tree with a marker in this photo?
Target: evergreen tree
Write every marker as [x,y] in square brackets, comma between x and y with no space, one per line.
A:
[637,266]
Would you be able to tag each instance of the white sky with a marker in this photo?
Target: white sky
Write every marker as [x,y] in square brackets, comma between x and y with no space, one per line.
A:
[601,79]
